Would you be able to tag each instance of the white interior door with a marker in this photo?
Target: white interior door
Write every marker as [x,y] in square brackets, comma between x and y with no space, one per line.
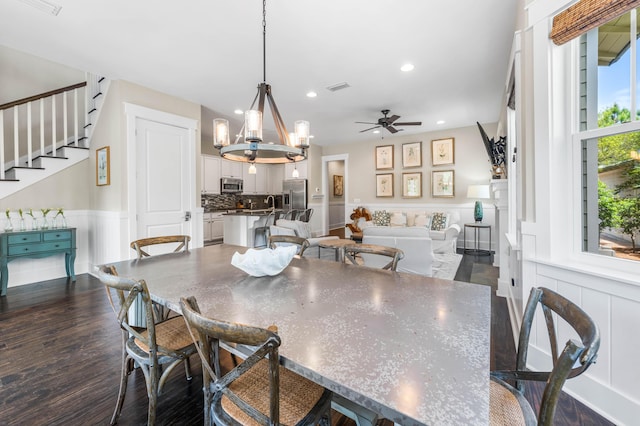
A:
[162,181]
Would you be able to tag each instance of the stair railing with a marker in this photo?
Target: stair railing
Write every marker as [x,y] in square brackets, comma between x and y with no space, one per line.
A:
[64,91]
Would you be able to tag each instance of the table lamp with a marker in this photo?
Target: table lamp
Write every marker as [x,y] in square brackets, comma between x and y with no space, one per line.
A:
[478,192]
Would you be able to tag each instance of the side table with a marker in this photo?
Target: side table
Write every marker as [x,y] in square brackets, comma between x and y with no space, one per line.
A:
[476,226]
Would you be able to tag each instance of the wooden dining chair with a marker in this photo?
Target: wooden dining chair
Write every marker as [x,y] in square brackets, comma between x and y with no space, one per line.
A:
[157,348]
[302,243]
[181,240]
[508,405]
[258,391]
[352,251]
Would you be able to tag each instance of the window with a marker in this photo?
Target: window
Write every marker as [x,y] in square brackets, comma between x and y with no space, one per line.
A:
[609,131]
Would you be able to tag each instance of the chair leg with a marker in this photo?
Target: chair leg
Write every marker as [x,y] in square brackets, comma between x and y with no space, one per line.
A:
[187,368]
[124,376]
[152,388]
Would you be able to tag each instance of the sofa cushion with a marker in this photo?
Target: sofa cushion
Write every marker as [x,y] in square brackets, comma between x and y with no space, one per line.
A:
[437,235]
[438,221]
[381,218]
[409,231]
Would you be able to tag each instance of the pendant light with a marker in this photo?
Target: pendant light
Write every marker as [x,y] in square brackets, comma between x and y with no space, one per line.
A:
[290,146]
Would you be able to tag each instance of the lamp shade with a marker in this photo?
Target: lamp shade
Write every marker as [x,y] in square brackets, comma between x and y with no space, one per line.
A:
[478,191]
[220,132]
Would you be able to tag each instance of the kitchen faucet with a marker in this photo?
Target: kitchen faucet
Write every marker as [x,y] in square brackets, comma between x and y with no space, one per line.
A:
[273,202]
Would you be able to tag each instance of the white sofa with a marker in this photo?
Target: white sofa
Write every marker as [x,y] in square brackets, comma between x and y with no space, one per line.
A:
[414,241]
[299,229]
[442,226]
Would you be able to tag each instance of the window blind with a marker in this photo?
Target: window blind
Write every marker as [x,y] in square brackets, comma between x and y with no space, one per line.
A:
[586,15]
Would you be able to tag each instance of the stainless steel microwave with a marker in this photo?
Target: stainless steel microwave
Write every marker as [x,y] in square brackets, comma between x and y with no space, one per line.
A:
[231,185]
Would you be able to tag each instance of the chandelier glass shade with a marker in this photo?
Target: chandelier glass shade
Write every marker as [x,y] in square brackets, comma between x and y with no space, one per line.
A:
[290,147]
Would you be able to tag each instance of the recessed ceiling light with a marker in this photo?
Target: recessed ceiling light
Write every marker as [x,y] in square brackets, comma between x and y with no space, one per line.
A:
[311,136]
[407,67]
[312,94]
[238,111]
[376,131]
[440,122]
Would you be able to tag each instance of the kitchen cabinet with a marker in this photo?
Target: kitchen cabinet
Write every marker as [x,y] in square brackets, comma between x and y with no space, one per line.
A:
[255,184]
[302,170]
[276,176]
[230,168]
[213,226]
[210,174]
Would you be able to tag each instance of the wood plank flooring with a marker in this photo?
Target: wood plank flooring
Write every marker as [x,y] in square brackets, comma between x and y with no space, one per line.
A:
[60,355]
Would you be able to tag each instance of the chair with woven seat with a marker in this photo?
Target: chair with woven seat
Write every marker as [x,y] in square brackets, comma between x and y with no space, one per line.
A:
[302,243]
[157,348]
[258,391]
[373,255]
[181,240]
[507,403]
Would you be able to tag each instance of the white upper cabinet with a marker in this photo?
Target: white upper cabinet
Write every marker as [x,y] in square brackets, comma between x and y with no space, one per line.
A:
[210,174]
[276,176]
[231,168]
[255,184]
[302,170]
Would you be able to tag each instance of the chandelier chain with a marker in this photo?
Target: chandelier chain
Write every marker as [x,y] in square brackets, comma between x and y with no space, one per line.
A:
[264,41]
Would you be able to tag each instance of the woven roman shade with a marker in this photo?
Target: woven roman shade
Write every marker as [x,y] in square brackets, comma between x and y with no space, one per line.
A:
[586,15]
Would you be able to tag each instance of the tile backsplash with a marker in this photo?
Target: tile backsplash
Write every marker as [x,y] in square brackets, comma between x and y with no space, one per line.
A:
[213,202]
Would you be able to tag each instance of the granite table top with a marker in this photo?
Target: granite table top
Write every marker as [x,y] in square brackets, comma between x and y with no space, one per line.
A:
[413,349]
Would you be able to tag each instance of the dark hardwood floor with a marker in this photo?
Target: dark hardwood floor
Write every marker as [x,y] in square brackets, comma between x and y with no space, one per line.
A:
[60,355]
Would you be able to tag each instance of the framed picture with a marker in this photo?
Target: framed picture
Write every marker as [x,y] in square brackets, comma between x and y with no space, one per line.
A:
[442,152]
[384,185]
[103,165]
[442,183]
[384,157]
[412,185]
[412,154]
[338,182]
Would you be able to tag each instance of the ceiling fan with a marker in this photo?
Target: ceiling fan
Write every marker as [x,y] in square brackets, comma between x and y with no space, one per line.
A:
[389,123]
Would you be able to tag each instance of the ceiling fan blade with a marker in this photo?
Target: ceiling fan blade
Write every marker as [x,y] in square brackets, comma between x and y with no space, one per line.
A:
[392,129]
[370,128]
[364,122]
[410,123]
[393,118]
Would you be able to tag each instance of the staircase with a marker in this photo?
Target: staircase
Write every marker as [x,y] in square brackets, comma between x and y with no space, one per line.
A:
[50,132]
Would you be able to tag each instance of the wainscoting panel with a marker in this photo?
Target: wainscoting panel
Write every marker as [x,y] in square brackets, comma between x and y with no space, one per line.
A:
[336,215]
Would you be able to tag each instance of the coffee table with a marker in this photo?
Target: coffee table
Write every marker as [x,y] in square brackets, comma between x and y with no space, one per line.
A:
[337,245]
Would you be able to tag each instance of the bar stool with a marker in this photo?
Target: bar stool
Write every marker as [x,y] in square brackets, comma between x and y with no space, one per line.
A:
[261,230]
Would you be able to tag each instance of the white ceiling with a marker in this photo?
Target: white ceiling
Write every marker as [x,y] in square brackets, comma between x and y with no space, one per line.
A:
[210,52]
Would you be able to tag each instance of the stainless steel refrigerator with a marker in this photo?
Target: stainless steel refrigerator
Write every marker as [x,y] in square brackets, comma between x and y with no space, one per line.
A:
[295,194]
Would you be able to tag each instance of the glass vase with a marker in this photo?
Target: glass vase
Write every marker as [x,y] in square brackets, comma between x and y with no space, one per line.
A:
[23,225]
[61,222]
[8,226]
[45,223]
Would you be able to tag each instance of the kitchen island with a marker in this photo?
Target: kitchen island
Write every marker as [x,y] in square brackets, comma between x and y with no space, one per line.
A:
[239,227]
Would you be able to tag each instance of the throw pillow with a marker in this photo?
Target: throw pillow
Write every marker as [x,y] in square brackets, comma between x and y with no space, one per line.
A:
[422,220]
[381,218]
[398,219]
[438,221]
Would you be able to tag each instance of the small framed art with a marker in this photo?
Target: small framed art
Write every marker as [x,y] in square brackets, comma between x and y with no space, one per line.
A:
[338,185]
[412,154]
[103,174]
[384,157]
[442,184]
[384,185]
[442,152]
[412,185]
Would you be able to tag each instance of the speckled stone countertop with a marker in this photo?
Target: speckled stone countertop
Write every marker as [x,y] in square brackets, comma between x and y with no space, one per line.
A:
[413,349]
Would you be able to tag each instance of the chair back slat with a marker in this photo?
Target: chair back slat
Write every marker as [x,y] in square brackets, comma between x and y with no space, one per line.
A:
[352,250]
[302,243]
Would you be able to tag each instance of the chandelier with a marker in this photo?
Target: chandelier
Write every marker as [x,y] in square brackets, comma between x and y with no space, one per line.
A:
[291,147]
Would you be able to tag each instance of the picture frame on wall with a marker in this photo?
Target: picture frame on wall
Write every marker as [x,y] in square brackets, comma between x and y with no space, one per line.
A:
[384,157]
[338,185]
[412,154]
[103,166]
[442,184]
[412,185]
[384,185]
[442,152]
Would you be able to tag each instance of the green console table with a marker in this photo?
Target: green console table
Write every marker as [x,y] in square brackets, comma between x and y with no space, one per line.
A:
[36,244]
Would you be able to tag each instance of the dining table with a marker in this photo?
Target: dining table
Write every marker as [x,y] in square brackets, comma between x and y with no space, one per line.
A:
[409,348]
